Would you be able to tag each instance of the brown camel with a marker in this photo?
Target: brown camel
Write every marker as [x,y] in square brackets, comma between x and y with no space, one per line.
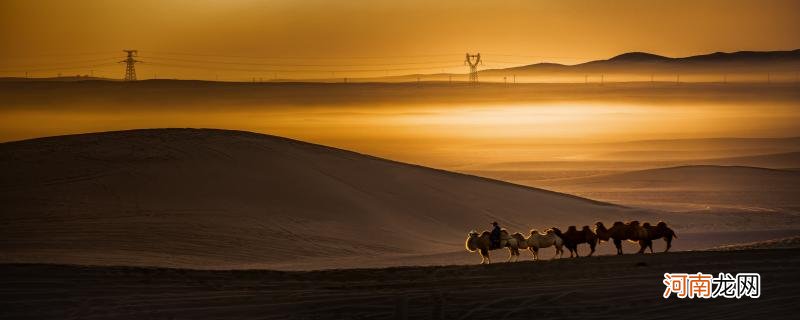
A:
[642,234]
[661,230]
[620,231]
[573,237]
[483,244]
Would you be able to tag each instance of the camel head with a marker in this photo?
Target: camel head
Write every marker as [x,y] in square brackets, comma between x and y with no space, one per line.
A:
[599,226]
[601,231]
[471,243]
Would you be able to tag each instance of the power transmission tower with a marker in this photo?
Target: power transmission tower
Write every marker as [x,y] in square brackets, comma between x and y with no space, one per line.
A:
[473,66]
[130,71]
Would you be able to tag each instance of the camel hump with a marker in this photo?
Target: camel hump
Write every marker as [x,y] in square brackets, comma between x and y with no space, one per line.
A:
[572,228]
[619,223]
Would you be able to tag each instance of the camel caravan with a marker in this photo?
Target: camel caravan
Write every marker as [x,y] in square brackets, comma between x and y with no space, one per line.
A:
[632,231]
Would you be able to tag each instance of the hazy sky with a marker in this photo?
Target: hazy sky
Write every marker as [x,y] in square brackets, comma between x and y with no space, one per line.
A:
[49,36]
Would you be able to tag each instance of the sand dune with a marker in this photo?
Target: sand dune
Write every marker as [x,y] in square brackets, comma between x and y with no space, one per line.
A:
[786,160]
[213,198]
[697,186]
[231,199]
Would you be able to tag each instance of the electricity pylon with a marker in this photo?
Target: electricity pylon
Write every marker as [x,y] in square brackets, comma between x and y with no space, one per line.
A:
[473,66]
[130,71]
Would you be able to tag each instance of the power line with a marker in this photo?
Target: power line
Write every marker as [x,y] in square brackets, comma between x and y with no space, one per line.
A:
[28,56]
[306,57]
[59,68]
[292,65]
[540,57]
[63,63]
[207,67]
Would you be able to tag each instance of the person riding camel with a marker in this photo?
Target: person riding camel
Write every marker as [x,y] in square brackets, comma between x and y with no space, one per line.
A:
[495,235]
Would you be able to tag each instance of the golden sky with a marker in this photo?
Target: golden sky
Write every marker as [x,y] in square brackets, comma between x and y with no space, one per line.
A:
[239,39]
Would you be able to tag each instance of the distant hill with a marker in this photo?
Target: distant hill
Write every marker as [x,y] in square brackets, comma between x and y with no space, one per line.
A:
[693,187]
[785,160]
[784,64]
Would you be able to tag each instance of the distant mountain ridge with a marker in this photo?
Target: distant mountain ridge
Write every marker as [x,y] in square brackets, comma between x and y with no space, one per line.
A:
[644,61]
[716,56]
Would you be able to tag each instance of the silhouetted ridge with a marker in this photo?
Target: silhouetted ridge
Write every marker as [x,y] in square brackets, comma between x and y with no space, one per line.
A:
[639,57]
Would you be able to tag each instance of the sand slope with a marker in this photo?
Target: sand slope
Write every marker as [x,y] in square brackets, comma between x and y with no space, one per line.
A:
[214,198]
[789,160]
[702,186]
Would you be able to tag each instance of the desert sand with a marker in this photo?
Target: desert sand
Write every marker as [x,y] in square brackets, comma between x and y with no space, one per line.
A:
[606,287]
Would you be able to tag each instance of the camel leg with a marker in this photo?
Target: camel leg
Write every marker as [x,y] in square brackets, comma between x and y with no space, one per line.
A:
[591,246]
[668,240]
[485,257]
[533,252]
[650,245]
[618,244]
[642,246]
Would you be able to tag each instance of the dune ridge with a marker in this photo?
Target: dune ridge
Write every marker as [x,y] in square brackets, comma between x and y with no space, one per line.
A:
[218,198]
